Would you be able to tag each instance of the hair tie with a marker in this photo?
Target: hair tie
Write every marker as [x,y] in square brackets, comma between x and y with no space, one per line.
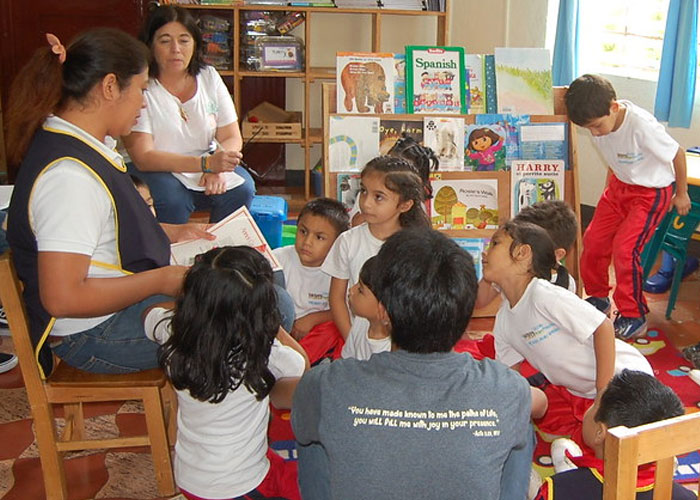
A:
[56,47]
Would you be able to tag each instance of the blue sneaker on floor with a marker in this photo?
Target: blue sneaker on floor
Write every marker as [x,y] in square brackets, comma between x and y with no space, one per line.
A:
[630,328]
[661,281]
[600,303]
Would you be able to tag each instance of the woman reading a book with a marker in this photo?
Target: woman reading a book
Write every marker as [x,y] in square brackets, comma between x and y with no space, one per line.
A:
[187,145]
[89,253]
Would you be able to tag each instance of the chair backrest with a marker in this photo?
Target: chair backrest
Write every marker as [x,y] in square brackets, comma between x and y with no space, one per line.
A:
[683,226]
[12,301]
[627,448]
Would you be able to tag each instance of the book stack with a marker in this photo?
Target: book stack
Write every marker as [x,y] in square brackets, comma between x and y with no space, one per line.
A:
[403,4]
[357,4]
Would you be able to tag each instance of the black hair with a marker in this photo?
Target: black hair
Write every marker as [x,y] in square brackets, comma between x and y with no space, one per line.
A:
[556,217]
[138,181]
[589,97]
[224,323]
[428,285]
[634,398]
[162,15]
[44,85]
[368,273]
[483,132]
[331,210]
[541,245]
[423,158]
[401,177]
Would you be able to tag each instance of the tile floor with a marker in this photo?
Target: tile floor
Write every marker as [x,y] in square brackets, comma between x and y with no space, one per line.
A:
[129,474]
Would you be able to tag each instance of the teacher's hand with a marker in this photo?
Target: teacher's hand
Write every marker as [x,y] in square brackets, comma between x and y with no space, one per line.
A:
[224,161]
[213,183]
[172,278]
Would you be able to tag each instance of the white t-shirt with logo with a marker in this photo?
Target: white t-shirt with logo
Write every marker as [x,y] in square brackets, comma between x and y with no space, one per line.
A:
[552,328]
[210,108]
[640,152]
[308,286]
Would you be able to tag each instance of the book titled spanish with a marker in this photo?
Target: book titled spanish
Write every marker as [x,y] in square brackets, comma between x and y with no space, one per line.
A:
[435,80]
[535,180]
[365,82]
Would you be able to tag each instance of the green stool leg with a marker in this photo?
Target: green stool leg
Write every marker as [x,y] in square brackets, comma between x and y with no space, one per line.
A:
[676,285]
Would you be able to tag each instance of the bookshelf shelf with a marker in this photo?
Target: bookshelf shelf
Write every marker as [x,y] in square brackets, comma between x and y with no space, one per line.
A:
[310,74]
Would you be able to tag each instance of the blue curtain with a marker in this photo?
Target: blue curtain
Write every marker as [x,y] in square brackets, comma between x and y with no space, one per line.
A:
[675,92]
[565,61]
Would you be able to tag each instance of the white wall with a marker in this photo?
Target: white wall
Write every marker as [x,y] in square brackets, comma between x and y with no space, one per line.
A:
[479,26]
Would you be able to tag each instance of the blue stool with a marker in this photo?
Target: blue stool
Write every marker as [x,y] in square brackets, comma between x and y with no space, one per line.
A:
[672,236]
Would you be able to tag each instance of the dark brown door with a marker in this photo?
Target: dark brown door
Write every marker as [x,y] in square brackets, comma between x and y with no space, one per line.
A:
[24,23]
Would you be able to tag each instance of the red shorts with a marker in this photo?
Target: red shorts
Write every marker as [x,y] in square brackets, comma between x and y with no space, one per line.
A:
[324,341]
[565,411]
[280,482]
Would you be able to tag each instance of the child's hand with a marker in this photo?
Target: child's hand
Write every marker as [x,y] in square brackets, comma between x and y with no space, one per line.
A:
[681,201]
[302,326]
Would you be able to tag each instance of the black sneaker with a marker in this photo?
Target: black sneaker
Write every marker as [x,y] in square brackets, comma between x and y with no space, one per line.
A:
[7,362]
[600,303]
[630,328]
[3,318]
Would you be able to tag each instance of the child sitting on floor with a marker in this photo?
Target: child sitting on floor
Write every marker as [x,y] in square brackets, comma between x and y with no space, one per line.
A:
[391,195]
[369,334]
[558,333]
[227,357]
[631,399]
[559,220]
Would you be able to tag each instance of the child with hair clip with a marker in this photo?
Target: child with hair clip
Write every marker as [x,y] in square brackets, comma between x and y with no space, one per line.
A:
[227,357]
[369,333]
[391,197]
[421,157]
[564,337]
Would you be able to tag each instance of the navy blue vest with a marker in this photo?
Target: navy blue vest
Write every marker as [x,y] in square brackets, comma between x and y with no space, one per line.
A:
[582,484]
[142,243]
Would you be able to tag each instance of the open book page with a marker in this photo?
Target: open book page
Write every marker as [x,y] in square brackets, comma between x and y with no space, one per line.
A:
[239,228]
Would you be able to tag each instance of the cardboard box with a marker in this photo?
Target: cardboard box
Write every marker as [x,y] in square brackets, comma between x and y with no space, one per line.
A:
[267,121]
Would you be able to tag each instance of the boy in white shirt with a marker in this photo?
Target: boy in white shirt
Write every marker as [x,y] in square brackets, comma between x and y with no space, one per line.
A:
[319,223]
[644,162]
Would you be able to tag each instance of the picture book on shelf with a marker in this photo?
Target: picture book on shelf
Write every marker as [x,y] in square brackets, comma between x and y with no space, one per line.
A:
[535,180]
[475,70]
[475,247]
[484,148]
[511,125]
[464,204]
[353,141]
[348,188]
[541,141]
[445,136]
[391,130]
[490,93]
[524,81]
[399,83]
[365,82]
[239,228]
[435,80]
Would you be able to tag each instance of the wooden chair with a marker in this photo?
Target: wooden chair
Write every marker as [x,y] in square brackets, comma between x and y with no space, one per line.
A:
[71,388]
[660,442]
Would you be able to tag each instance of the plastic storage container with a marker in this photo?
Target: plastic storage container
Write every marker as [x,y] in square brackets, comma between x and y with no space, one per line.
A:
[269,213]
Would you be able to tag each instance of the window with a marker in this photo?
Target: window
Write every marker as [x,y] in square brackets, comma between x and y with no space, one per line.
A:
[622,37]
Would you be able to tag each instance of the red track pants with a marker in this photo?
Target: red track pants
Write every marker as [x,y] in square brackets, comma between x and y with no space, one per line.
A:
[624,220]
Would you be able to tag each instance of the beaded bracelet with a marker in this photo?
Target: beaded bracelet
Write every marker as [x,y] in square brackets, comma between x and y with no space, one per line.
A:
[204,159]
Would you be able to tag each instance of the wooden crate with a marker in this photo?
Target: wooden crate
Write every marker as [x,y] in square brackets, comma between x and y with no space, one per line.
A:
[270,122]
[273,130]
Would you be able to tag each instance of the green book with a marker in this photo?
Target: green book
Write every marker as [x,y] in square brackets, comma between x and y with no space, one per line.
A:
[435,80]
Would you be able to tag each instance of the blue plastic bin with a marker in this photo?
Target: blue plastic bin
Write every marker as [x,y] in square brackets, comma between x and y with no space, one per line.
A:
[269,213]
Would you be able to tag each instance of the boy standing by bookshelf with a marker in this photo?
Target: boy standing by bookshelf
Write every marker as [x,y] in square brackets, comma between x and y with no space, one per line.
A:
[644,162]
